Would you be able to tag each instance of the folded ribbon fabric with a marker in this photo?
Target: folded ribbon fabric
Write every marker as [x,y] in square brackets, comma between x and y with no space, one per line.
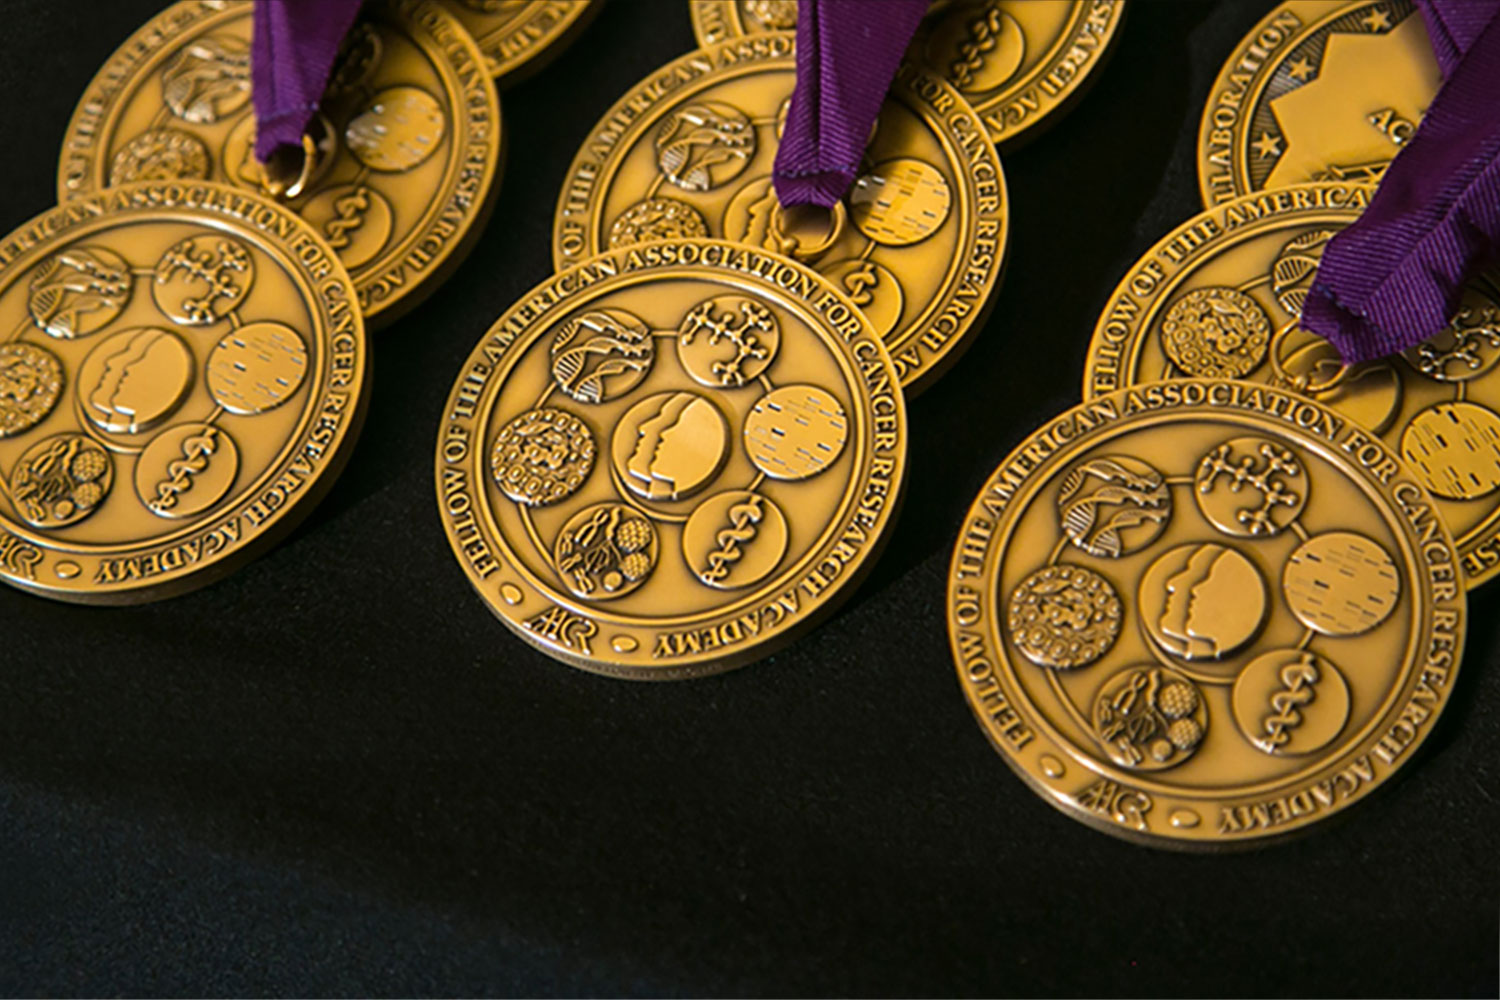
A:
[1453,25]
[293,45]
[847,55]
[1392,279]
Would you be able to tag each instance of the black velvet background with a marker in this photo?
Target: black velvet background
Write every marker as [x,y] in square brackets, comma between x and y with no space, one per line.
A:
[336,773]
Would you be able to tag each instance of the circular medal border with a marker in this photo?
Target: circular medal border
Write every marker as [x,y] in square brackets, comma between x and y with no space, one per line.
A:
[151,44]
[1241,421]
[986,623]
[150,201]
[1154,302]
[1239,170]
[517,574]
[1050,109]
[781,58]
[1474,540]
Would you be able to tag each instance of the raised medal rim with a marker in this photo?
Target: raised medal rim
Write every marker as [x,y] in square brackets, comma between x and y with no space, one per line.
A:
[1318,13]
[991,607]
[1478,538]
[935,364]
[157,35]
[281,521]
[1052,107]
[811,610]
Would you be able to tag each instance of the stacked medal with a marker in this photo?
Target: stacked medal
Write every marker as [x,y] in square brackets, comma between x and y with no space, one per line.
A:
[1223,598]
[185,366]
[687,445]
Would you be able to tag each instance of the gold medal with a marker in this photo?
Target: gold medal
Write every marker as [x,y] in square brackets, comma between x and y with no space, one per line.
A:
[1205,613]
[716,21]
[182,376]
[519,37]
[918,243]
[1319,90]
[406,148]
[1219,298]
[1019,63]
[671,459]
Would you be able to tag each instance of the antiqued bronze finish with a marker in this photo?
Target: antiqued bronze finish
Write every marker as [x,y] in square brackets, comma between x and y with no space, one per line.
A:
[519,37]
[397,173]
[1205,613]
[671,459]
[182,377]
[1019,63]
[716,21]
[1319,90]
[1219,297]
[918,244]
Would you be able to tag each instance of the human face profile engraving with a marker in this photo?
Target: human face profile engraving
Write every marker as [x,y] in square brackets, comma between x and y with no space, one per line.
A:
[1202,602]
[670,445]
[135,379]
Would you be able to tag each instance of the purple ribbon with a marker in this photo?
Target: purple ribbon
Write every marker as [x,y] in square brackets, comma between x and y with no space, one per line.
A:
[847,55]
[293,44]
[1392,278]
[1453,25]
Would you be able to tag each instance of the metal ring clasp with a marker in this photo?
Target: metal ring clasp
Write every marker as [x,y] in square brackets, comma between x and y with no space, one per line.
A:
[1303,383]
[807,231]
[291,169]
[285,175]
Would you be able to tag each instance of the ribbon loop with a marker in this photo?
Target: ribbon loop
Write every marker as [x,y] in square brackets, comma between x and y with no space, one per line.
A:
[293,45]
[1393,278]
[847,55]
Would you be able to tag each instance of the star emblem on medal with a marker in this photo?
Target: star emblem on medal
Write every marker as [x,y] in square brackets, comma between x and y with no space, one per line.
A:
[1267,145]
